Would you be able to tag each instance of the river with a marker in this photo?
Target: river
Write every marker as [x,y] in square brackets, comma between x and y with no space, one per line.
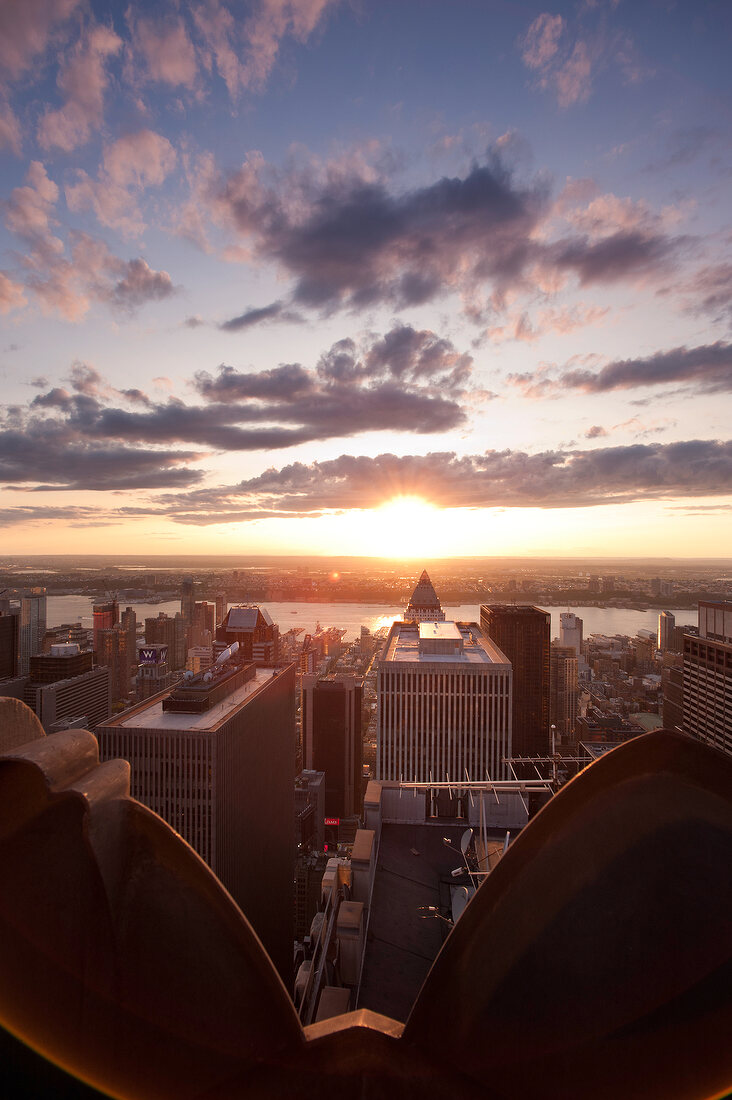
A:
[351,616]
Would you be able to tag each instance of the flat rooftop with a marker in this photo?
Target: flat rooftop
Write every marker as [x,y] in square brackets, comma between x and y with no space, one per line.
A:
[402,646]
[150,714]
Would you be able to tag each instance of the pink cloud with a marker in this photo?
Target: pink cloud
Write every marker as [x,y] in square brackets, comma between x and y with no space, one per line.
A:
[10,136]
[573,79]
[129,165]
[167,51]
[11,294]
[541,41]
[25,31]
[29,212]
[83,80]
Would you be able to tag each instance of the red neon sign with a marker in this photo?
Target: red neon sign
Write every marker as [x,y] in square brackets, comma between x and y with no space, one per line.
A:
[331,821]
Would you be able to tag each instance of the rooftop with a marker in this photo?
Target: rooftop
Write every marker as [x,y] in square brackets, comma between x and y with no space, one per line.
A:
[403,645]
[150,714]
[424,594]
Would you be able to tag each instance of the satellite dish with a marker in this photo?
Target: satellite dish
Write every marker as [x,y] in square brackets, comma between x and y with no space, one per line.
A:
[465,840]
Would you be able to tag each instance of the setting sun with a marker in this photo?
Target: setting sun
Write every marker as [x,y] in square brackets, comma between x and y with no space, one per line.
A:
[405,526]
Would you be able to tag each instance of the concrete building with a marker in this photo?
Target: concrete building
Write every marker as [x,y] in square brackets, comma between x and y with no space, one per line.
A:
[214,758]
[570,631]
[563,691]
[105,617]
[707,681]
[444,704]
[32,627]
[253,629]
[187,604]
[666,627]
[523,634]
[65,633]
[424,606]
[63,684]
[331,712]
[153,671]
[171,632]
[112,652]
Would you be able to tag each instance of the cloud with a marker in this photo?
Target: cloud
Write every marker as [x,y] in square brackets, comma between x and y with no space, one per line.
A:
[193,322]
[405,381]
[162,42]
[26,29]
[707,368]
[130,165]
[351,242]
[10,134]
[255,316]
[496,479]
[541,41]
[595,432]
[708,290]
[83,81]
[11,294]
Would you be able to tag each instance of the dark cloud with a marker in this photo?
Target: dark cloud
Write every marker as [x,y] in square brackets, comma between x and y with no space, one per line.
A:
[274,311]
[595,432]
[136,285]
[43,457]
[354,243]
[620,255]
[73,435]
[708,368]
[506,479]
[194,322]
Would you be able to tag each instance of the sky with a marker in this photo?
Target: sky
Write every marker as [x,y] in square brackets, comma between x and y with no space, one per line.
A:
[371,277]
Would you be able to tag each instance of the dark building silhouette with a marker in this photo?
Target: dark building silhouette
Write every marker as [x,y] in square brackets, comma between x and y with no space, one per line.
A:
[214,758]
[332,740]
[187,604]
[171,632]
[63,684]
[523,633]
[9,624]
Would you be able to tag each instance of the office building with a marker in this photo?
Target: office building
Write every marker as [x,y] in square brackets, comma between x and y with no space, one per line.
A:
[707,684]
[570,631]
[666,627]
[187,604]
[32,627]
[153,672]
[310,810]
[204,624]
[424,606]
[105,617]
[73,633]
[563,692]
[112,653]
[672,690]
[253,629]
[9,630]
[331,711]
[523,634]
[128,622]
[444,704]
[171,632]
[221,607]
[63,684]
[214,758]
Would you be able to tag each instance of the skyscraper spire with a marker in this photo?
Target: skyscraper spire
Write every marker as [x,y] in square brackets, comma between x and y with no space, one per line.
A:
[424,606]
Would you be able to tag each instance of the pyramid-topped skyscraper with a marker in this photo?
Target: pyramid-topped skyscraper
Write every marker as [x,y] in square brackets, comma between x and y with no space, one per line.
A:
[424,606]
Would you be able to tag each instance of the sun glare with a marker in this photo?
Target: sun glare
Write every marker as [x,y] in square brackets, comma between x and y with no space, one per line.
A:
[407,527]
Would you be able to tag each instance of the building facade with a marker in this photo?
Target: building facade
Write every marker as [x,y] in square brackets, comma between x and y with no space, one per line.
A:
[570,631]
[331,711]
[563,691]
[523,634]
[32,627]
[666,627]
[169,631]
[443,704]
[707,679]
[64,685]
[215,760]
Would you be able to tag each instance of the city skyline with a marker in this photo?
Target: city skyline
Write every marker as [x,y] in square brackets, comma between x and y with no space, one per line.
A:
[319,277]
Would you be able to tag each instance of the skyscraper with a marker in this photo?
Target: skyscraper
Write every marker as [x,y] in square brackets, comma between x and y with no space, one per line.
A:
[32,627]
[9,621]
[424,605]
[253,629]
[331,712]
[570,631]
[171,632]
[112,653]
[444,704]
[187,604]
[523,634]
[105,616]
[64,684]
[563,691]
[666,625]
[707,680]
[215,759]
